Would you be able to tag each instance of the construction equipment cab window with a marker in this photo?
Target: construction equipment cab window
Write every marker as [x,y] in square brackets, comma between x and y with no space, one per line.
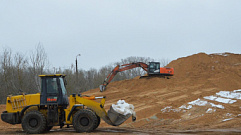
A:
[154,67]
[52,86]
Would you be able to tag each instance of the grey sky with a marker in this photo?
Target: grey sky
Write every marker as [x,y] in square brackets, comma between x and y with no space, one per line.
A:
[105,31]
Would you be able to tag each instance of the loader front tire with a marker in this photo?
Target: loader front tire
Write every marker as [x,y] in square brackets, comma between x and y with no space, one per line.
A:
[84,120]
[98,122]
[34,122]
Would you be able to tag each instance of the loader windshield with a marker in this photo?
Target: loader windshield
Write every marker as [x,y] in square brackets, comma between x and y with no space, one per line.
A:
[52,86]
[62,86]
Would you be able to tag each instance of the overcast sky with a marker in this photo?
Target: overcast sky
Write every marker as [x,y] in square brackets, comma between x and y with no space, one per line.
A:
[106,31]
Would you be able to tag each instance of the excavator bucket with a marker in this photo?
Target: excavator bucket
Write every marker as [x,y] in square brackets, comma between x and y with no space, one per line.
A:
[102,88]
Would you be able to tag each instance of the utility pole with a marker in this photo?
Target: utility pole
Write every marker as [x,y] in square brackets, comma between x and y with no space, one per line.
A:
[76,66]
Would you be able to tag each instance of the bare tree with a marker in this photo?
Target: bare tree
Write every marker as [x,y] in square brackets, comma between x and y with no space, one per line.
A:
[6,66]
[20,63]
[164,62]
[38,61]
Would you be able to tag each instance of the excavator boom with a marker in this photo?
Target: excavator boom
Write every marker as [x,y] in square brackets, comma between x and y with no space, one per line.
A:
[152,69]
[120,68]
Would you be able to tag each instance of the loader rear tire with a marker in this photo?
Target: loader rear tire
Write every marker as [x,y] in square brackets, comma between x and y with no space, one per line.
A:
[34,122]
[84,121]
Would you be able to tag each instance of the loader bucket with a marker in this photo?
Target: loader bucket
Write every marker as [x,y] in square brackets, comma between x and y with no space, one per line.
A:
[116,118]
[111,117]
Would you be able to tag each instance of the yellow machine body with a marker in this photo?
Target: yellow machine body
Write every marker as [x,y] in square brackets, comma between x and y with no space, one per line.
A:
[17,103]
[39,112]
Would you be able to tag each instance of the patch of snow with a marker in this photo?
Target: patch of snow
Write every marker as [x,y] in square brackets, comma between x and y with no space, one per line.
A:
[198,102]
[169,109]
[229,114]
[229,94]
[210,97]
[166,108]
[123,108]
[210,110]
[227,119]
[237,90]
[219,99]
[226,97]
[224,100]
[217,106]
[185,107]
[222,54]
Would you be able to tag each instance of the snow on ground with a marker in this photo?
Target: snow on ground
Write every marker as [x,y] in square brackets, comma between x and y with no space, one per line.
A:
[227,119]
[185,107]
[169,109]
[220,99]
[217,106]
[229,94]
[224,97]
[210,110]
[222,54]
[198,102]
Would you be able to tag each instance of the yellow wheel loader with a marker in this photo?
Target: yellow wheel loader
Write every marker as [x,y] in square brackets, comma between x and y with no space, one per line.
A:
[39,112]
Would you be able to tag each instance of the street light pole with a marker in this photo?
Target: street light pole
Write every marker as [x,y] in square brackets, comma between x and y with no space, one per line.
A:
[76,65]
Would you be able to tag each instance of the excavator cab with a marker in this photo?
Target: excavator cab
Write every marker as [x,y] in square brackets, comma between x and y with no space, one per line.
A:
[53,91]
[154,68]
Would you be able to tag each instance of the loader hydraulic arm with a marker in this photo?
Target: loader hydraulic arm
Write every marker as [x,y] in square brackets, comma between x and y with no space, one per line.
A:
[120,68]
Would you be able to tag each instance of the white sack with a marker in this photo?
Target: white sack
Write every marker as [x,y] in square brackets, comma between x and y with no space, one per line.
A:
[123,108]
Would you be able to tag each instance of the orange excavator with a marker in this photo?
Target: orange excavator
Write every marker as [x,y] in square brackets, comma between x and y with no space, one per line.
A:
[153,69]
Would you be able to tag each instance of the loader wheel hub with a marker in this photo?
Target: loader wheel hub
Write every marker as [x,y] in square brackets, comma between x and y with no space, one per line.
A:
[84,121]
[33,122]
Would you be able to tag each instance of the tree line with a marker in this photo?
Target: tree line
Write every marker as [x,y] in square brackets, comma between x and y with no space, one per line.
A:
[19,72]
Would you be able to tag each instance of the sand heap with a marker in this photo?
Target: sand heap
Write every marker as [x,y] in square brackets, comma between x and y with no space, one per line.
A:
[214,70]
[164,103]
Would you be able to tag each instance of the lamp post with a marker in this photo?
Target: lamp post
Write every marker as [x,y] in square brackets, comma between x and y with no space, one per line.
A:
[76,64]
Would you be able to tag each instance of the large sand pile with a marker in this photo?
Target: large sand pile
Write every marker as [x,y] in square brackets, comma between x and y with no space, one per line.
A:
[157,100]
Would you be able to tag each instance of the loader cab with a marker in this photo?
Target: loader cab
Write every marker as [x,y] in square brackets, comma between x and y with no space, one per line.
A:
[154,68]
[53,91]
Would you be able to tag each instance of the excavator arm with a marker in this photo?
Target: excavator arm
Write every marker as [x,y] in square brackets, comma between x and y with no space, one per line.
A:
[121,68]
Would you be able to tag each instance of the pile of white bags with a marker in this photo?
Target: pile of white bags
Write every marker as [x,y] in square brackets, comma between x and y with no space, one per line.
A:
[124,108]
